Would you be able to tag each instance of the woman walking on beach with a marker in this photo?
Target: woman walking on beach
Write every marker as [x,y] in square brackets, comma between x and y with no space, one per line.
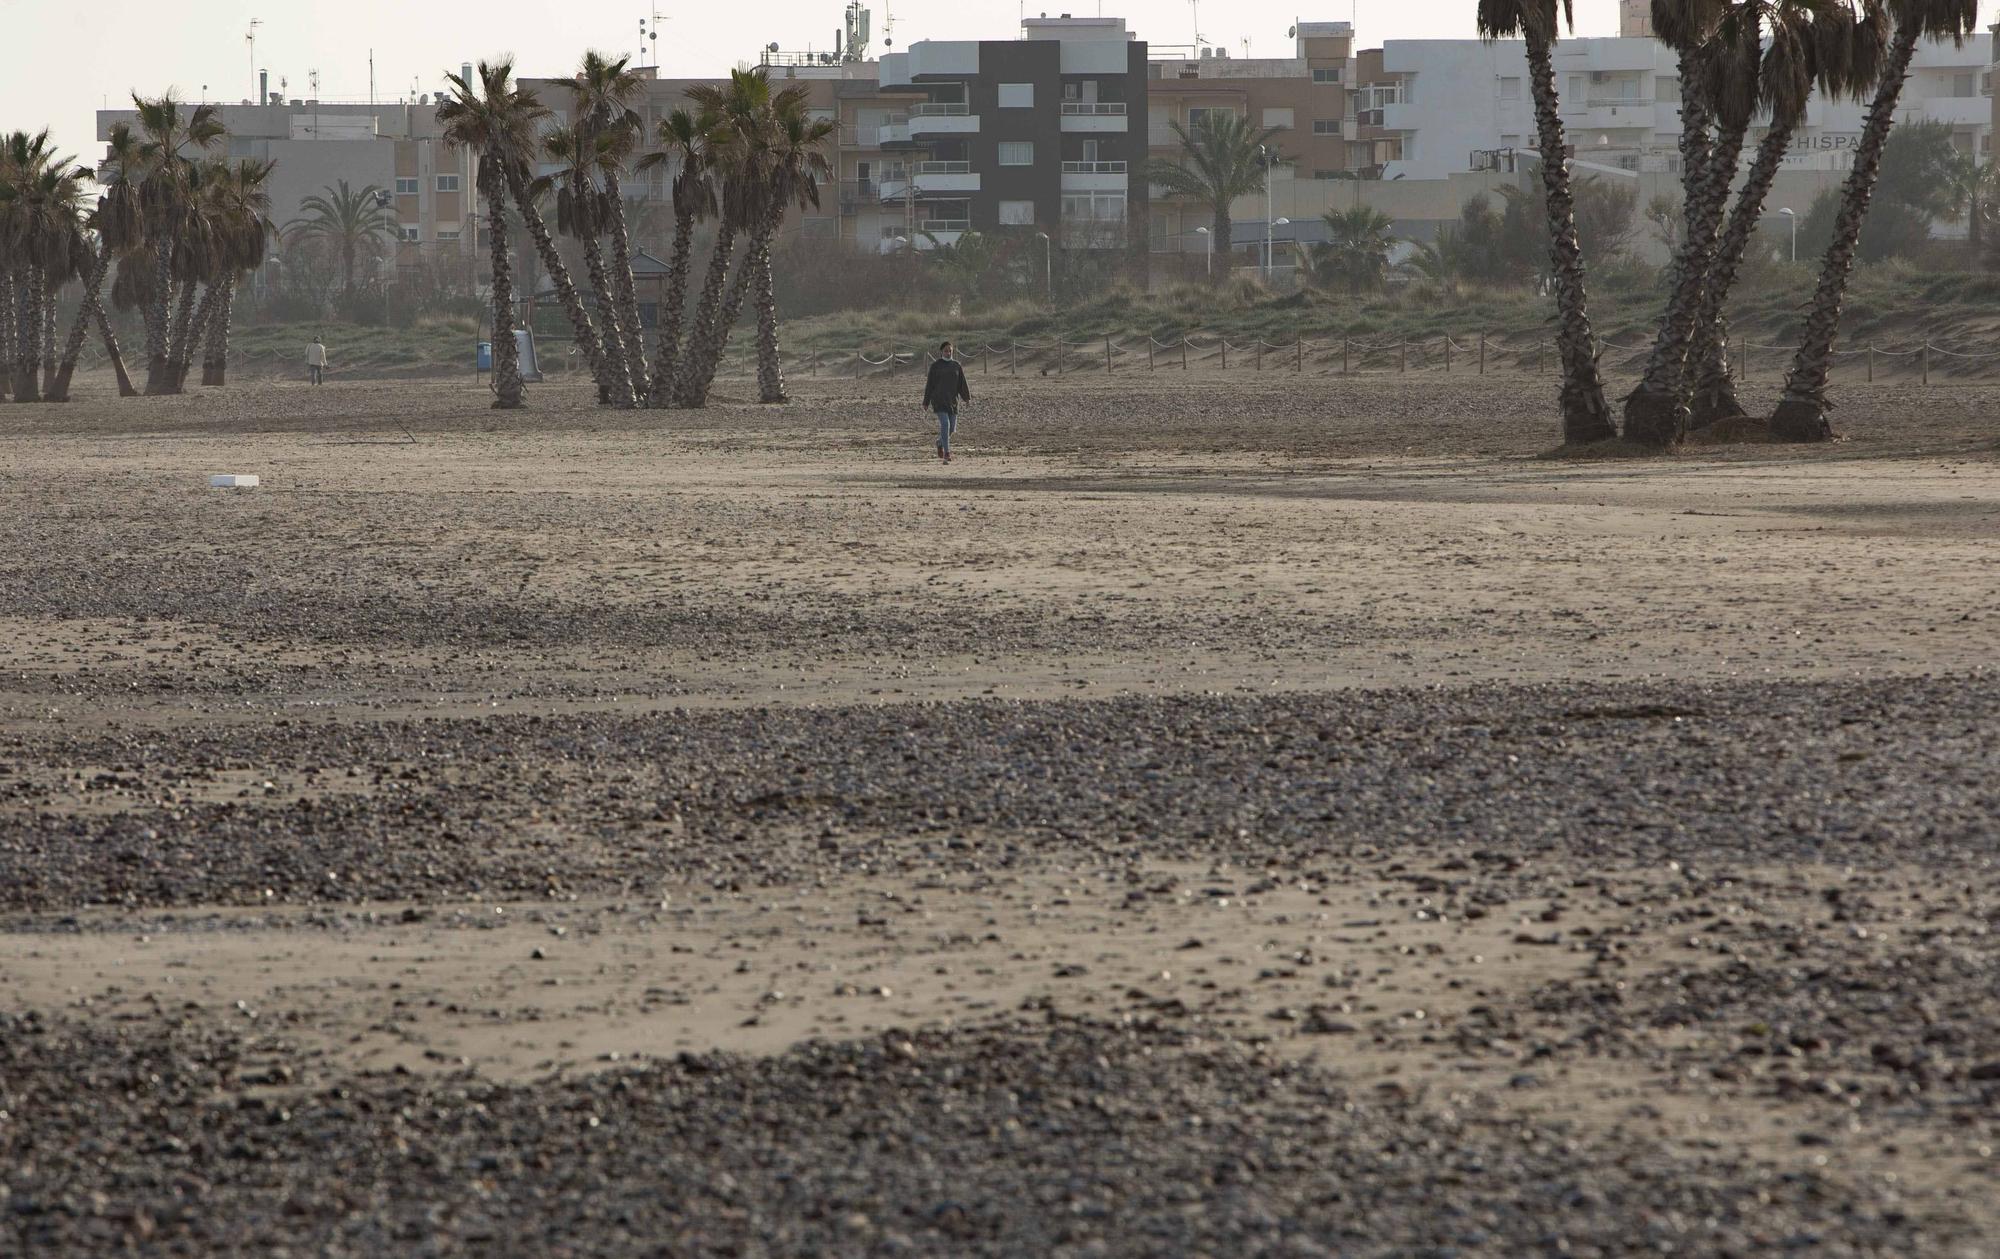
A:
[944,389]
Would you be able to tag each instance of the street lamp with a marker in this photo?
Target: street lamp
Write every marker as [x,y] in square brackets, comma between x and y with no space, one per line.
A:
[1795,232]
[1210,237]
[1265,156]
[1268,266]
[1048,266]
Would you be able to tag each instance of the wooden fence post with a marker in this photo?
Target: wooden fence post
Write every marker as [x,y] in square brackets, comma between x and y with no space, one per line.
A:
[1107,354]
[1403,354]
[1871,360]
[1059,362]
[1298,354]
[1260,354]
[1149,351]
[1927,362]
[1447,354]
[1183,353]
[1225,354]
[1482,354]
[1345,345]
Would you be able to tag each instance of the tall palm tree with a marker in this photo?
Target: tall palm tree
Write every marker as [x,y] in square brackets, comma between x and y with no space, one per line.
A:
[41,237]
[1802,408]
[245,209]
[1586,417]
[580,214]
[119,228]
[497,120]
[1357,247]
[1222,158]
[1970,194]
[603,91]
[685,140]
[172,138]
[740,108]
[1834,47]
[354,223]
[793,163]
[196,259]
[1717,45]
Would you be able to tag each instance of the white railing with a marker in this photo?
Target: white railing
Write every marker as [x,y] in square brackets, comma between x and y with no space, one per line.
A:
[944,168]
[947,225]
[1100,109]
[1611,102]
[1093,168]
[940,109]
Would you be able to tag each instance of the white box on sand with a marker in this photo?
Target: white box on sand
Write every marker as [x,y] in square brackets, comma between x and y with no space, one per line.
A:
[227,481]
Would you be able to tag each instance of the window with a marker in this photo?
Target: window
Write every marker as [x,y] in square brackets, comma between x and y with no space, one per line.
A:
[1278,118]
[406,187]
[447,233]
[1326,74]
[447,183]
[1510,89]
[1017,214]
[1017,153]
[1965,85]
[1017,96]
[411,234]
[1198,112]
[1093,207]
[1326,126]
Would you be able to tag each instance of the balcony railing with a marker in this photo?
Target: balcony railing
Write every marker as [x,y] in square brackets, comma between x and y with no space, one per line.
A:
[1095,109]
[940,109]
[944,168]
[1611,102]
[1093,168]
[946,225]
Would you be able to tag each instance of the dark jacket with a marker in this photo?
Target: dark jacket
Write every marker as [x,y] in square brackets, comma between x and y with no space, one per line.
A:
[945,386]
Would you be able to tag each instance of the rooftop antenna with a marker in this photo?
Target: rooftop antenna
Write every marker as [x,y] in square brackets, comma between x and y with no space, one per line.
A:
[888,26]
[1194,12]
[371,78]
[251,37]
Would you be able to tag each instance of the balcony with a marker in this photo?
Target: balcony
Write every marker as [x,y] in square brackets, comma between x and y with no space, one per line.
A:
[1400,116]
[1093,176]
[895,131]
[1618,114]
[1097,116]
[1958,111]
[942,118]
[931,179]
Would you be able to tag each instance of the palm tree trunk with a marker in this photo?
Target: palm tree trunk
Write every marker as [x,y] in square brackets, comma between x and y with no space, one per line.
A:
[507,388]
[1714,393]
[703,331]
[9,300]
[197,330]
[1220,245]
[158,303]
[1585,415]
[28,334]
[626,289]
[667,351]
[717,340]
[770,370]
[215,355]
[126,389]
[1656,413]
[93,286]
[1801,413]
[545,248]
[48,314]
[170,376]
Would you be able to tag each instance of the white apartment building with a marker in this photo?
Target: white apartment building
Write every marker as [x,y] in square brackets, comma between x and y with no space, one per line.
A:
[1459,104]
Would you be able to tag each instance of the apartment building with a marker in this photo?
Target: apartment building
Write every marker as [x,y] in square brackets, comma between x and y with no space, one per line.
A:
[1450,105]
[1305,98]
[977,135]
[395,147]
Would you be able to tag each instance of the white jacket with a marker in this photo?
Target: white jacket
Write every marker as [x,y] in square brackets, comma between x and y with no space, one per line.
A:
[315,355]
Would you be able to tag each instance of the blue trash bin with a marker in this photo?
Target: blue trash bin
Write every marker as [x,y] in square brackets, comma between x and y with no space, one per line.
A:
[484,359]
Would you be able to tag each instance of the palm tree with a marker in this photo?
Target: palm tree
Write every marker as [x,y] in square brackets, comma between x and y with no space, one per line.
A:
[355,223]
[196,262]
[247,231]
[1222,158]
[1970,194]
[119,228]
[1357,248]
[793,163]
[497,120]
[603,91]
[42,241]
[1718,48]
[580,215]
[685,140]
[740,108]
[1832,47]
[1801,412]
[1586,416]
[171,138]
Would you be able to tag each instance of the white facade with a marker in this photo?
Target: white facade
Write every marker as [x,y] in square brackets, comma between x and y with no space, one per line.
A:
[1621,104]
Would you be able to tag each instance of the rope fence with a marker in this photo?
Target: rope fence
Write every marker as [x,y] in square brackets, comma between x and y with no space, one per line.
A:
[1477,355]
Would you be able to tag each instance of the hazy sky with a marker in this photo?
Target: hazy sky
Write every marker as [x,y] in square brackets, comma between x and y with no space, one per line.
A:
[70,58]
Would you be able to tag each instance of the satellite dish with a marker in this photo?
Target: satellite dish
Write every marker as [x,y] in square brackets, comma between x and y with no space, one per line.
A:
[772,46]
[1291,32]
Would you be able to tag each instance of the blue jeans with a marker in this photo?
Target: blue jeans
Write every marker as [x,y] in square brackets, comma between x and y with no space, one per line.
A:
[947,425]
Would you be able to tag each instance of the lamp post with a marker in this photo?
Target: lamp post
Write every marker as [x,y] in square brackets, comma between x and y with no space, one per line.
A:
[1209,236]
[1265,156]
[1269,265]
[1048,266]
[1795,231]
